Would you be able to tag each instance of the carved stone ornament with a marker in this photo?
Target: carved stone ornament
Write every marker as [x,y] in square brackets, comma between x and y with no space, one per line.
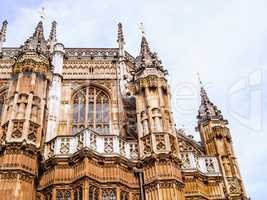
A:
[160,142]
[17,129]
[33,131]
[147,145]
[234,186]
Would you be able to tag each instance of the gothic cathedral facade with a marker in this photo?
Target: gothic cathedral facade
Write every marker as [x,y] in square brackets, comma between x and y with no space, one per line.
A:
[97,124]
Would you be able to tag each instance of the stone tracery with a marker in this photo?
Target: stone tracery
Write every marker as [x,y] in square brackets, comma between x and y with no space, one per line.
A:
[91,109]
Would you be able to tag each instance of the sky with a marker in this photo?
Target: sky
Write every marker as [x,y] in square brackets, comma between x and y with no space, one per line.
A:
[225,41]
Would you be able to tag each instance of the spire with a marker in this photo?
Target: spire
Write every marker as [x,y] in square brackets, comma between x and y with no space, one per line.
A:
[39,31]
[120,34]
[207,110]
[120,41]
[145,47]
[52,36]
[53,32]
[3,34]
[147,58]
[3,31]
[37,41]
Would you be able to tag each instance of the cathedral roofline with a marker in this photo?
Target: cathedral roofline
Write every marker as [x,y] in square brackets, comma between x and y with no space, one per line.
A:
[78,52]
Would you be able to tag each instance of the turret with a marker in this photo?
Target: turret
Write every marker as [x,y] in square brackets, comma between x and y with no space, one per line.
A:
[217,141]
[54,96]
[156,126]
[156,132]
[24,117]
[31,74]
[3,35]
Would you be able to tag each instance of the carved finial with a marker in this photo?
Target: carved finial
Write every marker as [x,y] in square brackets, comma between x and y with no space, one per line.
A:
[144,46]
[37,41]
[199,80]
[120,33]
[146,57]
[207,110]
[42,14]
[3,31]
[142,29]
[39,31]
[53,32]
[203,94]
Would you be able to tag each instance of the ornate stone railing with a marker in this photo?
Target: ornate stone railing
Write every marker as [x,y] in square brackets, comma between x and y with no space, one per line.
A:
[204,164]
[105,145]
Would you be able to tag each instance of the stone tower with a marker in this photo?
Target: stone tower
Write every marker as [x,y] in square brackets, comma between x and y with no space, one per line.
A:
[24,118]
[156,132]
[217,141]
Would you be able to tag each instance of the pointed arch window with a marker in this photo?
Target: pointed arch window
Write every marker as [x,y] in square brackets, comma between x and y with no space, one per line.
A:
[63,195]
[112,195]
[96,194]
[91,193]
[59,196]
[78,193]
[104,196]
[67,195]
[91,109]
[124,196]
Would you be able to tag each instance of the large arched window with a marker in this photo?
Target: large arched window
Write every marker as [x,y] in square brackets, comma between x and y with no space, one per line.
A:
[91,109]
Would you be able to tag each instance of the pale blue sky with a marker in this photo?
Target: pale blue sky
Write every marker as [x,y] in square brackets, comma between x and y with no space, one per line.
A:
[224,40]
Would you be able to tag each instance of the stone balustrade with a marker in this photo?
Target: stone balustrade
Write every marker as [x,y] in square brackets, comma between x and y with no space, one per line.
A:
[207,165]
[105,145]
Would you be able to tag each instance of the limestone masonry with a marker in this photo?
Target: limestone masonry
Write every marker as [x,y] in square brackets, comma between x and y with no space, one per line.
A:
[97,124]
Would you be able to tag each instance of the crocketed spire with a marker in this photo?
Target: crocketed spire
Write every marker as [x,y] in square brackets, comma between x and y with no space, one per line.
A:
[207,110]
[52,39]
[3,31]
[120,33]
[37,41]
[146,58]
[53,33]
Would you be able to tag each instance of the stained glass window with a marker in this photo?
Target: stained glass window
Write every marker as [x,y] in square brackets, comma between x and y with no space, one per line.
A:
[80,193]
[112,195]
[59,196]
[91,193]
[67,195]
[104,196]
[91,109]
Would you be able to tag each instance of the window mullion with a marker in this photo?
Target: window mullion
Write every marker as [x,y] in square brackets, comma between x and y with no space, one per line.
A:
[86,106]
[79,112]
[102,112]
[94,111]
